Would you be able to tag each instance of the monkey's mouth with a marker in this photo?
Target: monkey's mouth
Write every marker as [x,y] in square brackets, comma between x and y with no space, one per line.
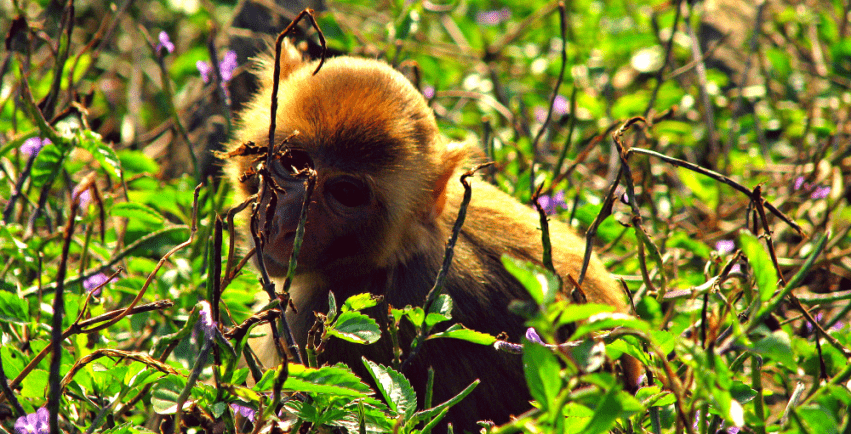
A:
[276,255]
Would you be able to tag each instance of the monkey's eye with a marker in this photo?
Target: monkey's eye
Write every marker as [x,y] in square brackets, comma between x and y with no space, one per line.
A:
[291,162]
[349,192]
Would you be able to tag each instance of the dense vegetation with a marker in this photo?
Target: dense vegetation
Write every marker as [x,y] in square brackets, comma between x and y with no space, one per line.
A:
[712,137]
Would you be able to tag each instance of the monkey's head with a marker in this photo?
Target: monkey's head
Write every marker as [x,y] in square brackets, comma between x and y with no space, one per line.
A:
[381,164]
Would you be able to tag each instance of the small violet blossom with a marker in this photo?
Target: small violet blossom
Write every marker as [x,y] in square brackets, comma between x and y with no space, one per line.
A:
[208,326]
[820,192]
[165,42]
[532,336]
[428,92]
[94,284]
[84,197]
[725,246]
[33,145]
[550,204]
[816,191]
[494,17]
[560,106]
[246,412]
[34,423]
[226,67]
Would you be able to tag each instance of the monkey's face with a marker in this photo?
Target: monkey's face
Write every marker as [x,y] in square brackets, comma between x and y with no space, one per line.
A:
[372,141]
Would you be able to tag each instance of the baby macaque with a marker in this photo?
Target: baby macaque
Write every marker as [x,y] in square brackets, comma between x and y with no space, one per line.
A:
[386,196]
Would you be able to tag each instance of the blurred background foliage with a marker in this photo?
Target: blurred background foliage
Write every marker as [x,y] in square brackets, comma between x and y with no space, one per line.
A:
[756,91]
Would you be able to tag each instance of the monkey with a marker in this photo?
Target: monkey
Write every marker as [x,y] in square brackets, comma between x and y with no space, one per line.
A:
[386,197]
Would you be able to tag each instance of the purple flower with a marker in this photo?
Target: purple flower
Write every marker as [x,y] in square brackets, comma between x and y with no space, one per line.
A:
[33,145]
[208,326]
[246,412]
[725,246]
[165,42]
[85,197]
[799,182]
[226,67]
[428,92]
[532,336]
[560,105]
[540,114]
[205,69]
[550,204]
[820,192]
[94,284]
[33,423]
[492,18]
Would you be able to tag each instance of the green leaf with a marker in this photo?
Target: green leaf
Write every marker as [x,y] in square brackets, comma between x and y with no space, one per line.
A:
[579,312]
[541,285]
[703,188]
[442,306]
[437,412]
[355,327]
[542,373]
[818,419]
[47,164]
[335,36]
[394,387]
[458,331]
[360,302]
[606,413]
[605,321]
[778,347]
[332,307]
[334,380]
[138,212]
[13,309]
[760,262]
[34,384]
[166,393]
[136,162]
[102,152]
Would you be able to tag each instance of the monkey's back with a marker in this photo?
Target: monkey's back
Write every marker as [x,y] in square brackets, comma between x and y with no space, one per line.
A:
[497,222]
[482,289]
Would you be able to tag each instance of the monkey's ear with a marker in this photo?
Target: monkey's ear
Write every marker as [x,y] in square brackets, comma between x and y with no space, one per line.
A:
[291,59]
[451,157]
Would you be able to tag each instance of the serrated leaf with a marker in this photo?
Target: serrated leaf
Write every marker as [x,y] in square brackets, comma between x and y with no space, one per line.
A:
[334,380]
[442,306]
[13,309]
[360,302]
[355,327]
[138,212]
[332,307]
[458,331]
[394,387]
[760,262]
